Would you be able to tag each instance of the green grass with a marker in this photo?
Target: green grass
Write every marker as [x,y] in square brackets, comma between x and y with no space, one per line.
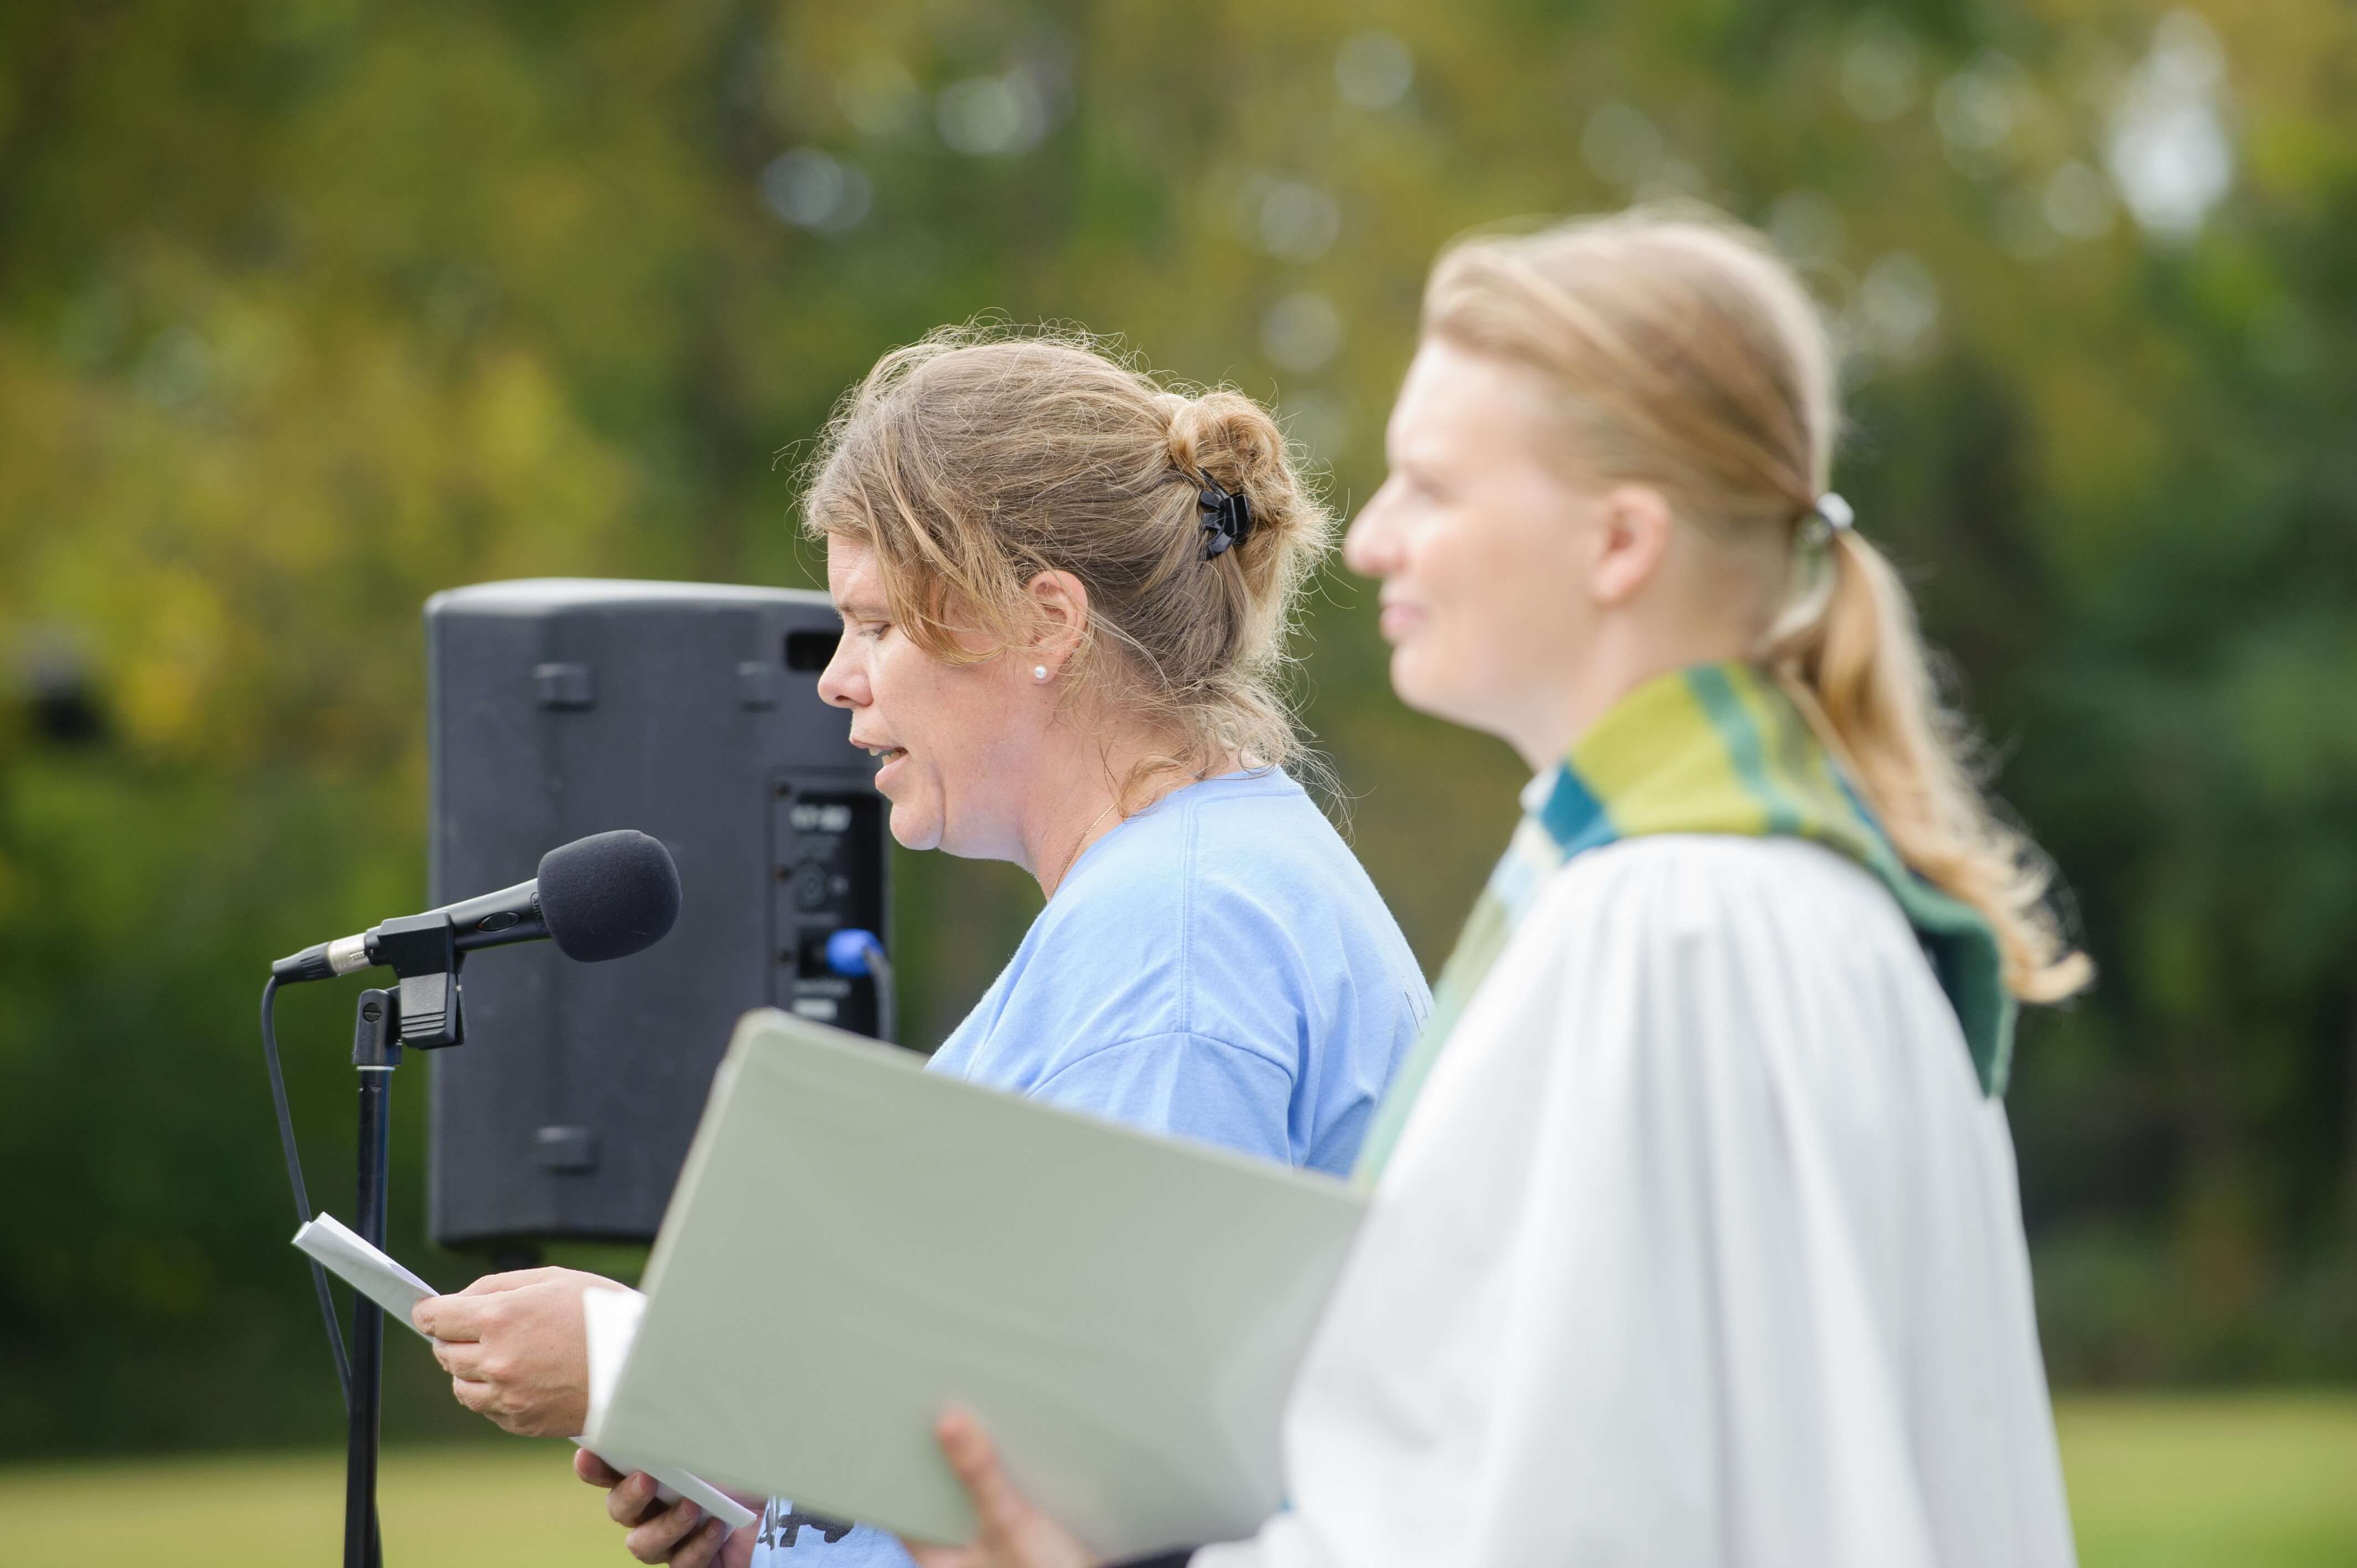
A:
[2265,1481]
[2268,1481]
[513,1505]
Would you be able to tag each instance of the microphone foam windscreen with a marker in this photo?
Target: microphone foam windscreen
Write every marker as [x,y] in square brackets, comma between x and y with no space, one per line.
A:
[608,895]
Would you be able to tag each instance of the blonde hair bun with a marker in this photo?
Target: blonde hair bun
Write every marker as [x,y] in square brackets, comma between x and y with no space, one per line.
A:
[1228,438]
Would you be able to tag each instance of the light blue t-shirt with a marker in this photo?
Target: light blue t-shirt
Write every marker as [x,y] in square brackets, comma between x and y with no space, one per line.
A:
[1216,967]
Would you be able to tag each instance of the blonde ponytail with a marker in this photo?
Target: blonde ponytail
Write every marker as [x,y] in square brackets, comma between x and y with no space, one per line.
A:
[1697,364]
[1858,669]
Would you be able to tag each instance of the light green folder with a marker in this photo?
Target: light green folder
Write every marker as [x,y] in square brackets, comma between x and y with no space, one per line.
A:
[855,1244]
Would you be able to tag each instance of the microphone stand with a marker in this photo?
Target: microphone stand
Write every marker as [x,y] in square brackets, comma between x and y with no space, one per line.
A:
[376,1051]
[424,1010]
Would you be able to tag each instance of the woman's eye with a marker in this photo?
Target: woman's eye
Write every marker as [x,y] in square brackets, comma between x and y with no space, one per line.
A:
[1409,483]
[876,630]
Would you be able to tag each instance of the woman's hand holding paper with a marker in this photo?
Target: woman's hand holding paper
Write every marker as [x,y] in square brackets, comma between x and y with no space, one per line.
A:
[682,1534]
[515,1349]
[1011,1529]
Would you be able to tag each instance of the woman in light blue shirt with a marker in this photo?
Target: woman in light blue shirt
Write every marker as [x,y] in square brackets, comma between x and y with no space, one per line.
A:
[1066,593]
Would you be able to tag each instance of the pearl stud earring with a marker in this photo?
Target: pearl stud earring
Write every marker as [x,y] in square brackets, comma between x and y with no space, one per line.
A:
[1038,672]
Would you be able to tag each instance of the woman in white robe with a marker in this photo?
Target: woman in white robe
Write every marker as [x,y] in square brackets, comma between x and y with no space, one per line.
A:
[1695,1237]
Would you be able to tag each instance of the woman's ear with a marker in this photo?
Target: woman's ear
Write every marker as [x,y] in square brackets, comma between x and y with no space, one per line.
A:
[1061,603]
[1631,542]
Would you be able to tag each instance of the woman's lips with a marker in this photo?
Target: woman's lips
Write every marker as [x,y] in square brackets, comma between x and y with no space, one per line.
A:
[1399,620]
[892,759]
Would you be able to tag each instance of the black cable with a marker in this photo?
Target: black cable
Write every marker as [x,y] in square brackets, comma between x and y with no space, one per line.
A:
[302,1214]
[879,968]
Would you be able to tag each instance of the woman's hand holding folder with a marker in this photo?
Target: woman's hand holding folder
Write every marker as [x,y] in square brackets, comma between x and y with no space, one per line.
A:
[1011,1529]
[682,1534]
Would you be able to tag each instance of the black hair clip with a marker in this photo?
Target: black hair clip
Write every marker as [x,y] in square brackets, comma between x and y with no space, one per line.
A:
[1227,517]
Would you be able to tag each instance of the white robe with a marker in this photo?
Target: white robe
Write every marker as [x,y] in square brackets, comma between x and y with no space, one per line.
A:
[1701,1246]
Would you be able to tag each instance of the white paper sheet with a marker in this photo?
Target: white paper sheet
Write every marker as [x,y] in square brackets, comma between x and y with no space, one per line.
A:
[366,1269]
[374,1273]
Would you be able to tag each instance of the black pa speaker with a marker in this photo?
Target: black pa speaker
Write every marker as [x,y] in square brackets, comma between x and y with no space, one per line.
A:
[563,707]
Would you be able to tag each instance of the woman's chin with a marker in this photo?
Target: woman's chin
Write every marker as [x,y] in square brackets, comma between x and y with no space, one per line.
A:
[1413,683]
[913,829]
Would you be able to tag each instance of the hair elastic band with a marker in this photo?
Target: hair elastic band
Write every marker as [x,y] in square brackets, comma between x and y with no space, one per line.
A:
[1830,515]
[1227,517]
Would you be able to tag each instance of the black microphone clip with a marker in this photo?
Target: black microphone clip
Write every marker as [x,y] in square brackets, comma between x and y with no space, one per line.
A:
[423,951]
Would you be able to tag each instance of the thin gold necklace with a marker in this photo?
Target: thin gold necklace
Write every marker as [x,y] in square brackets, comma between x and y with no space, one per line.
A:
[1079,844]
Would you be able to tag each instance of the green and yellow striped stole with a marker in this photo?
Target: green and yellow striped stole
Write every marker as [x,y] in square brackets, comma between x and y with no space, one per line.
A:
[1717,748]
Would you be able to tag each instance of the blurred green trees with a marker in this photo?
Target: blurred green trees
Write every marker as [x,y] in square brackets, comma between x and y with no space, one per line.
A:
[309,308]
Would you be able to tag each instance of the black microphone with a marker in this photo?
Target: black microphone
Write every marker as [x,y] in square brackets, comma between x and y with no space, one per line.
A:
[605,896]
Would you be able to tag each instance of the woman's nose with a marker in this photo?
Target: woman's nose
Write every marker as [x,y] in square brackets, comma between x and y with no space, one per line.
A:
[837,684]
[1371,548]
